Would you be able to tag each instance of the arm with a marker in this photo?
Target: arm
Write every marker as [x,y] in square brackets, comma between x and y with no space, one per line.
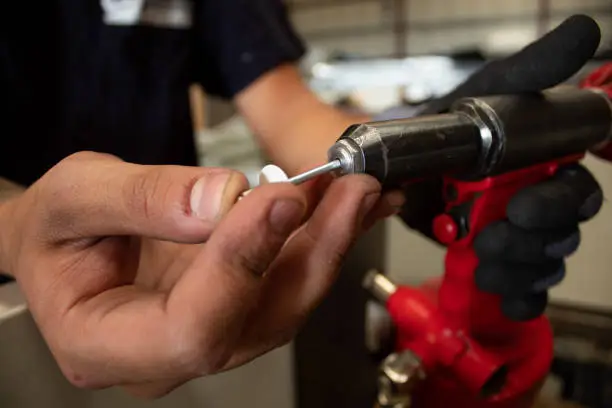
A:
[8,190]
[249,57]
[293,126]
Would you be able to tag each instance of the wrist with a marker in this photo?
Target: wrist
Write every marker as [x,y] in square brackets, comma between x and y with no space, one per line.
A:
[9,193]
[6,209]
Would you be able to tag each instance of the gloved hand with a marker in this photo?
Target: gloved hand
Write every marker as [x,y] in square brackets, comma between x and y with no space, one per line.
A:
[520,258]
[523,256]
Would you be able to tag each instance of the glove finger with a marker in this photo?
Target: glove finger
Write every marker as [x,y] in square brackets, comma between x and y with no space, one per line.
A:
[543,64]
[571,196]
[516,279]
[525,308]
[507,242]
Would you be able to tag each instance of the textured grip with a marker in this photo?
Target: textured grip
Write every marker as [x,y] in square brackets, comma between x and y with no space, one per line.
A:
[481,203]
[543,64]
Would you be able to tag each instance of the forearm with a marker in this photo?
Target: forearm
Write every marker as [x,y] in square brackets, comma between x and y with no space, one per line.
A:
[303,143]
[293,126]
[8,191]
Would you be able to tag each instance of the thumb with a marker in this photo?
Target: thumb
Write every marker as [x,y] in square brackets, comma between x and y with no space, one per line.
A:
[223,284]
[92,195]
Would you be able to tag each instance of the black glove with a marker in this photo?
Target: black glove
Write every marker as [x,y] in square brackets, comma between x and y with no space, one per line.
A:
[522,257]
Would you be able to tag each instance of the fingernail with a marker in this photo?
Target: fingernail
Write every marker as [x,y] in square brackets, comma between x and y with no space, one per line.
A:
[368,203]
[395,200]
[366,220]
[207,196]
[285,216]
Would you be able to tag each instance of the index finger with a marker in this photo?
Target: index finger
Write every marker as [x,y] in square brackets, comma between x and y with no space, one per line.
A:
[309,264]
[569,197]
[214,297]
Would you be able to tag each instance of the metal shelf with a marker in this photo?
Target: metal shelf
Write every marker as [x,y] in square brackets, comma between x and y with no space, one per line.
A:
[446,24]
[400,25]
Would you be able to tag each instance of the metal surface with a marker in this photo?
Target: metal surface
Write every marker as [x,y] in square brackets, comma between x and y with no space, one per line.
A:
[348,151]
[396,151]
[531,129]
[399,374]
[379,285]
[482,137]
[318,171]
[379,329]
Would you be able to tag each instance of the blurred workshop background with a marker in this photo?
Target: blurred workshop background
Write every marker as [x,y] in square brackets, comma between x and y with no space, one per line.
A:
[371,55]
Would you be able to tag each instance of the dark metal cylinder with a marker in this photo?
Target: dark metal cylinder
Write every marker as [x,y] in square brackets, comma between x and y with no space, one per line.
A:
[400,150]
[532,129]
[481,137]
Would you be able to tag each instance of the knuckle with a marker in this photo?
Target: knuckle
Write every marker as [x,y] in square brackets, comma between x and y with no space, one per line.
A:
[78,378]
[65,183]
[73,368]
[255,263]
[196,349]
[197,356]
[214,362]
[250,253]
[188,358]
[332,255]
[144,191]
[336,259]
[48,209]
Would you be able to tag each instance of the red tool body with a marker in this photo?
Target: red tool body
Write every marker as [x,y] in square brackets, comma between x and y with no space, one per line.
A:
[519,351]
[471,354]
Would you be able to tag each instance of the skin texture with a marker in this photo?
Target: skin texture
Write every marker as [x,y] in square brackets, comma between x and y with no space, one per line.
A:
[149,276]
[130,286]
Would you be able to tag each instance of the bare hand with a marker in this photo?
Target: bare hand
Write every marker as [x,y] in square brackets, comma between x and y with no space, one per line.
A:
[149,276]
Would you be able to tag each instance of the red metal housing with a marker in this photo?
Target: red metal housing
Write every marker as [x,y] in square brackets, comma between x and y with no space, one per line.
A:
[473,355]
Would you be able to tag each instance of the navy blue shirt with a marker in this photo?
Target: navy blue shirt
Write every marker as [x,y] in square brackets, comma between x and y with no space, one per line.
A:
[113,75]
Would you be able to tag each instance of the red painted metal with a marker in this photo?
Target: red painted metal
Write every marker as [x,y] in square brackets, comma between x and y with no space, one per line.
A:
[446,229]
[465,343]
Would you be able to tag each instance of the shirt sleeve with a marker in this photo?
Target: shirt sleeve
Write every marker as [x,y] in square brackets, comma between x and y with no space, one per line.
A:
[237,41]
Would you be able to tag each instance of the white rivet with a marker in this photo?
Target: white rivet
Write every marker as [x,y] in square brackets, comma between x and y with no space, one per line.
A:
[269,174]
[272,174]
